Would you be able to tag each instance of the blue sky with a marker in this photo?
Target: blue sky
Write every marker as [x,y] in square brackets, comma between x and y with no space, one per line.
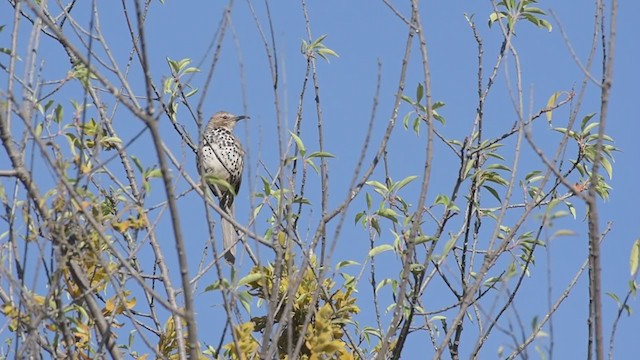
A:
[363,33]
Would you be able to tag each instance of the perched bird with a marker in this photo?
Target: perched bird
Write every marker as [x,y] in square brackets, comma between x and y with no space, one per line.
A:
[221,156]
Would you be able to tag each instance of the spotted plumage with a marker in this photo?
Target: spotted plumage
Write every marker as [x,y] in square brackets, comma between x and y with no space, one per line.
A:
[221,155]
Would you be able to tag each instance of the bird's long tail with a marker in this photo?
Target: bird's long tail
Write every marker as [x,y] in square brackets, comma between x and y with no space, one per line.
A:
[229,237]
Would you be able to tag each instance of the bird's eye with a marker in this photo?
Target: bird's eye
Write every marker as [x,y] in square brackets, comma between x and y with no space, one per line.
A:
[225,116]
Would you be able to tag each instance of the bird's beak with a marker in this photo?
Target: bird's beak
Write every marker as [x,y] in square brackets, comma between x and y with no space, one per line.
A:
[241,117]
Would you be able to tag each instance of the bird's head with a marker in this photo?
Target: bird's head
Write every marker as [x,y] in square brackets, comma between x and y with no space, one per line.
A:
[225,120]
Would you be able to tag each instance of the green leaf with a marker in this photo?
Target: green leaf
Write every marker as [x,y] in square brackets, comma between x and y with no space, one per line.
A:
[408,100]
[534,10]
[342,264]
[634,259]
[378,185]
[266,186]
[249,279]
[367,330]
[245,299]
[405,120]
[439,118]
[191,93]
[388,213]
[58,113]
[214,180]
[154,173]
[614,297]
[419,92]
[499,167]
[380,249]
[405,181]
[321,154]
[493,192]
[495,16]
[313,165]
[416,125]
[437,105]
[442,199]
[191,70]
[588,128]
[299,143]
[550,104]
[606,165]
[375,225]
[387,281]
[586,119]
[544,23]
[326,52]
[47,106]
[563,232]
[572,209]
[137,163]
[535,174]
[166,85]
[449,245]
[38,129]
[423,239]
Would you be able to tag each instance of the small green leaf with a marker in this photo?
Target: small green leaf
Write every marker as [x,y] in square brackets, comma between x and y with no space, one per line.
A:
[408,100]
[378,185]
[380,249]
[191,70]
[449,245]
[375,225]
[634,259]
[154,173]
[313,165]
[499,167]
[586,119]
[495,16]
[166,85]
[588,128]
[385,282]
[249,279]
[493,192]
[551,103]
[47,106]
[388,213]
[614,297]
[419,92]
[571,208]
[266,186]
[423,239]
[442,199]
[405,181]
[299,143]
[245,299]
[563,232]
[58,113]
[216,181]
[326,52]
[342,264]
[607,166]
[137,163]
[321,154]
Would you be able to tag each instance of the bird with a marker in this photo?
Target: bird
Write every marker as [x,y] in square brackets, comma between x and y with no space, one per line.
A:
[221,156]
